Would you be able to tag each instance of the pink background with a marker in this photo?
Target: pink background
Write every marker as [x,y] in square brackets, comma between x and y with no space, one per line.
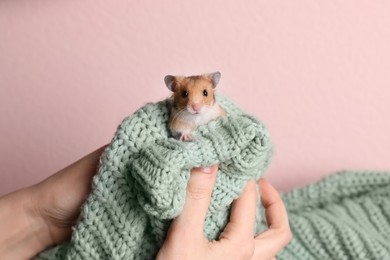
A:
[316,72]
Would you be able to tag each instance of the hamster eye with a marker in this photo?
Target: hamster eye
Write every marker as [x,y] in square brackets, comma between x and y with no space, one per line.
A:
[205,93]
[184,94]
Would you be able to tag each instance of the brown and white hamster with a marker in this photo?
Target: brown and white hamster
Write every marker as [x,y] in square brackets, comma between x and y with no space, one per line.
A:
[193,103]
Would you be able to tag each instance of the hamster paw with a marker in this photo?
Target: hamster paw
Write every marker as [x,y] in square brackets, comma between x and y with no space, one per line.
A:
[186,137]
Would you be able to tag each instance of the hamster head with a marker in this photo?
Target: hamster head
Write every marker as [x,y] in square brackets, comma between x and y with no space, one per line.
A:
[193,94]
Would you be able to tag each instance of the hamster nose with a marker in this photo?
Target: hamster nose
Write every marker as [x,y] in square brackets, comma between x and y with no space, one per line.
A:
[196,107]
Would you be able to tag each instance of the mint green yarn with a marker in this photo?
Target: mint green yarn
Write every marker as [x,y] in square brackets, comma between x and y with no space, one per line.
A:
[142,177]
[141,182]
[344,216]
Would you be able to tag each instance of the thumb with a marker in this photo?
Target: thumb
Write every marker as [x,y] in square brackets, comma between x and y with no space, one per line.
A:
[198,195]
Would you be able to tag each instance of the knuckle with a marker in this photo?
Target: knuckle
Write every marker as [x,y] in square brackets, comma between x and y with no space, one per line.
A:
[287,236]
[249,251]
[244,249]
[198,193]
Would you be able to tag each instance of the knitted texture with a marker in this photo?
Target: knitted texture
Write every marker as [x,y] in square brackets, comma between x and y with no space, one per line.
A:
[141,182]
[344,216]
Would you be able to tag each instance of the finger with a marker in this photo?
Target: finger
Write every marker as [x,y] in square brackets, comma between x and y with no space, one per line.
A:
[275,211]
[270,242]
[243,216]
[198,195]
[60,211]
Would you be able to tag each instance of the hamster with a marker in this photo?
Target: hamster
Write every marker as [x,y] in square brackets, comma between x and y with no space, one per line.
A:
[192,103]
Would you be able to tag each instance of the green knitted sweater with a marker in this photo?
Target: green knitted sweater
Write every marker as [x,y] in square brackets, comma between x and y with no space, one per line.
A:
[344,216]
[141,182]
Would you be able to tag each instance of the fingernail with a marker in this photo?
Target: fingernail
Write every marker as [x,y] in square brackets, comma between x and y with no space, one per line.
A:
[205,169]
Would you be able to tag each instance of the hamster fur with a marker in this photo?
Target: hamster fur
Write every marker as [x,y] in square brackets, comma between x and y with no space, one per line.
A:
[192,103]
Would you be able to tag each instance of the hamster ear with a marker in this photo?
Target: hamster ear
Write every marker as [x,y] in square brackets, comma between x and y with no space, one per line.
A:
[215,77]
[169,81]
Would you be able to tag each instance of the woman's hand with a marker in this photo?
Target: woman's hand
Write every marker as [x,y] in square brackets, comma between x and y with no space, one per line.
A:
[59,197]
[42,215]
[185,239]
[278,234]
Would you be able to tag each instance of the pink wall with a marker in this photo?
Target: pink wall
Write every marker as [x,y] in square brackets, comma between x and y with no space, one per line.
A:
[316,72]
